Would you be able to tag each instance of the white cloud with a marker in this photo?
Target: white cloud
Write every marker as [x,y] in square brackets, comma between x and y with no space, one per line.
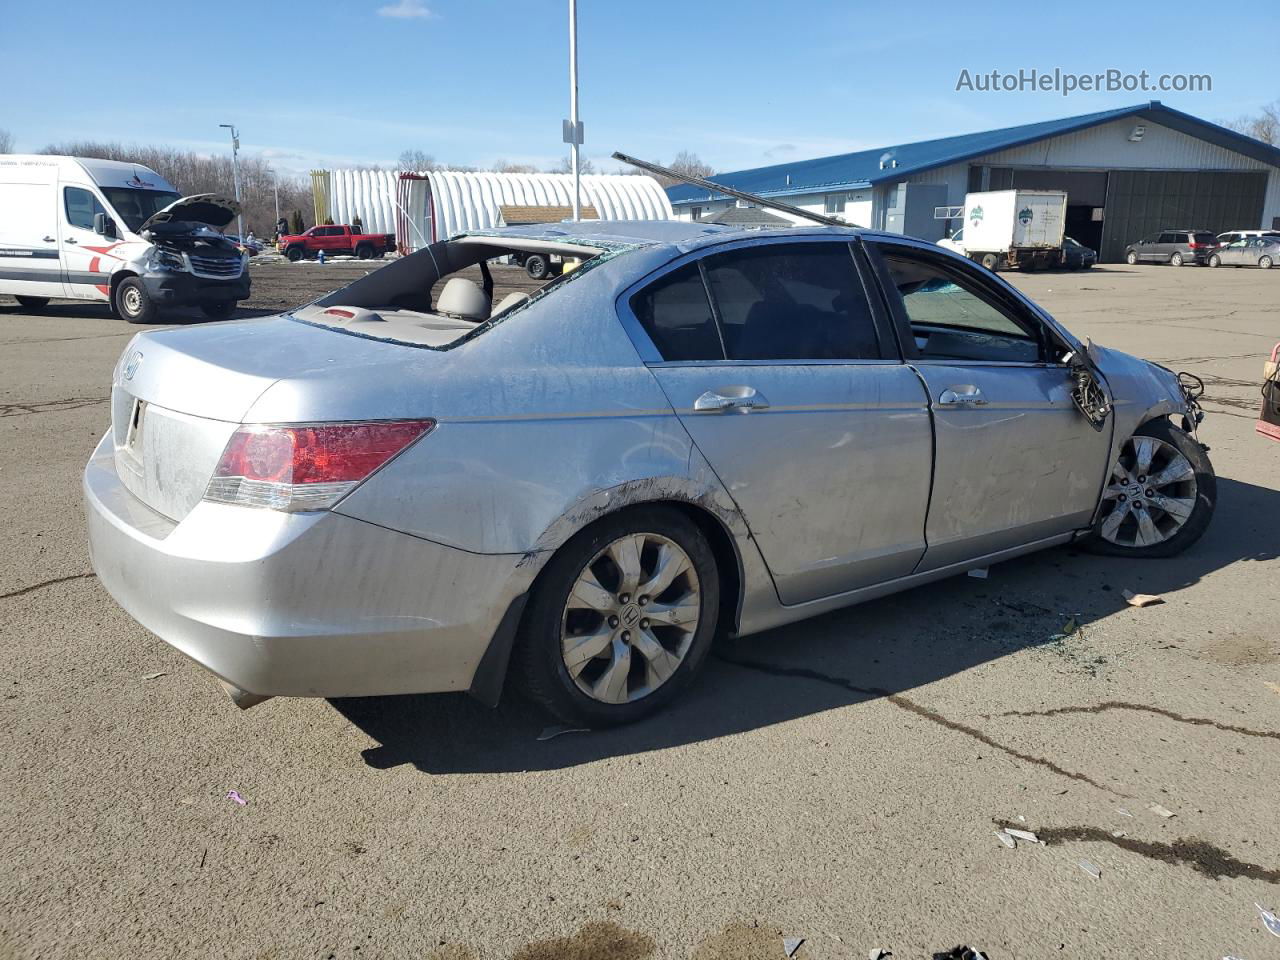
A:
[406,10]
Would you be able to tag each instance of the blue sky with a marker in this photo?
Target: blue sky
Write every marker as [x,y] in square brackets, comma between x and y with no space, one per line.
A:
[741,83]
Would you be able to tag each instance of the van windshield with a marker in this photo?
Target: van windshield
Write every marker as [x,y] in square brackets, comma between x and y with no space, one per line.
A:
[135,206]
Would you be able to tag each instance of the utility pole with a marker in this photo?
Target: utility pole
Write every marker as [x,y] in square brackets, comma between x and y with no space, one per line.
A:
[275,182]
[235,172]
[573,126]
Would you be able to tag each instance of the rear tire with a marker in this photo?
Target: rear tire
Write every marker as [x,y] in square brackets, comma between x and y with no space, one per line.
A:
[364,252]
[133,303]
[582,598]
[991,262]
[1176,259]
[293,254]
[1181,477]
[218,310]
[32,303]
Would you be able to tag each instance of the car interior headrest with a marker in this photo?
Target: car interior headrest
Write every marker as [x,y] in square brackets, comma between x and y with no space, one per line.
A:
[509,301]
[463,298]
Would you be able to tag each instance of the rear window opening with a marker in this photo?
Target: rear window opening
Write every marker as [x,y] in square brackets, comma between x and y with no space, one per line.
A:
[449,291]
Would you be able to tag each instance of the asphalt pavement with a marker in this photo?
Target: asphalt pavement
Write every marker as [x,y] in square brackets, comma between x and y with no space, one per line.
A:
[782,798]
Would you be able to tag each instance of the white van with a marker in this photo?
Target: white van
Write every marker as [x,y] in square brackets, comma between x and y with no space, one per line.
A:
[104,230]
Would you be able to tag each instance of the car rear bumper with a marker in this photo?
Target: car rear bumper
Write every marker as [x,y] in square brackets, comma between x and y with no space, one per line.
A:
[302,604]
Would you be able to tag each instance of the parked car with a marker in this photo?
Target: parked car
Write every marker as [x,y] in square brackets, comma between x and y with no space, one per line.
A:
[1261,252]
[1176,247]
[700,429]
[1076,256]
[336,240]
[251,247]
[1233,235]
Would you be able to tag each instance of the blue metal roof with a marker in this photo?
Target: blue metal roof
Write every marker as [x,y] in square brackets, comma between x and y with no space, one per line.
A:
[852,171]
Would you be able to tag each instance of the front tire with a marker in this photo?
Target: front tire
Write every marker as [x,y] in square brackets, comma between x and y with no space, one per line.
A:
[1265,263]
[1215,261]
[1159,497]
[32,303]
[621,619]
[1131,258]
[537,266]
[132,302]
[991,262]
[293,254]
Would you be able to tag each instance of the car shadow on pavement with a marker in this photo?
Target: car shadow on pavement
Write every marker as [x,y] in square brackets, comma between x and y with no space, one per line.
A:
[879,649]
[101,311]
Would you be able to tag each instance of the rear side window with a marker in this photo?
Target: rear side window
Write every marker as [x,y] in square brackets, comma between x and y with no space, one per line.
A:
[1168,238]
[794,301]
[81,206]
[676,315]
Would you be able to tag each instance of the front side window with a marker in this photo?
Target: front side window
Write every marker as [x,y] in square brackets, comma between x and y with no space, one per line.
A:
[81,206]
[676,315]
[953,318]
[794,301]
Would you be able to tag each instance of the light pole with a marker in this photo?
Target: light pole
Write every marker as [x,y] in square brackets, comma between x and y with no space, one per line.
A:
[235,172]
[573,129]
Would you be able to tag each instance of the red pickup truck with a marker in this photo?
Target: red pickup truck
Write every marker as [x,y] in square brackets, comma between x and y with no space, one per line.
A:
[336,240]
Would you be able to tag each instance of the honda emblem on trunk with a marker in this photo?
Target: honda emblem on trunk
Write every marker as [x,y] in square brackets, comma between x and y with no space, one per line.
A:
[131,364]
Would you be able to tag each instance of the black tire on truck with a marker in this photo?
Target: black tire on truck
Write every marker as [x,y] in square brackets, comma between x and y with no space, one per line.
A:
[364,252]
[32,303]
[294,254]
[132,302]
[537,266]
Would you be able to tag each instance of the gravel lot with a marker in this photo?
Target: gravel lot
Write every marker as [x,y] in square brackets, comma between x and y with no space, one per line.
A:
[779,799]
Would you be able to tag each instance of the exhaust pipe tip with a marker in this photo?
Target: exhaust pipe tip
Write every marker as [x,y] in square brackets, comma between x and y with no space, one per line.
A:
[242,698]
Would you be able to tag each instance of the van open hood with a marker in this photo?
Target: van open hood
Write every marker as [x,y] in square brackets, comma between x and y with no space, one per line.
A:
[209,208]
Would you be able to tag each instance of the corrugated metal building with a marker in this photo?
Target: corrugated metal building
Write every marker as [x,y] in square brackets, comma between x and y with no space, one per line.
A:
[420,207]
[1128,173]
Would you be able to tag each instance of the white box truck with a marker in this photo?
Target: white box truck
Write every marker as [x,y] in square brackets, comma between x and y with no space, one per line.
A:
[83,229]
[1012,228]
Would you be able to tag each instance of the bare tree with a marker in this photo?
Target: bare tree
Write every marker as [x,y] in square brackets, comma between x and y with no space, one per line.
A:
[566,166]
[416,161]
[6,141]
[685,162]
[1265,126]
[506,166]
[195,173]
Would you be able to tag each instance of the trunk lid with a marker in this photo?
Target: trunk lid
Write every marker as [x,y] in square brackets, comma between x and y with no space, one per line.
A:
[178,395]
[209,208]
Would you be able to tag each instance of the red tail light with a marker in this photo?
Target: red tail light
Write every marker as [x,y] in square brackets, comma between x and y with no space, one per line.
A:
[306,467]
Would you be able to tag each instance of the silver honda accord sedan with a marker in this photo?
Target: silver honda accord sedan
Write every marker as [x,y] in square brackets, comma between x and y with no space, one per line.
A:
[404,487]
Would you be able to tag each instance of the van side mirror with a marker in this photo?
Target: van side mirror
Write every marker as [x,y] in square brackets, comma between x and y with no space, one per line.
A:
[104,226]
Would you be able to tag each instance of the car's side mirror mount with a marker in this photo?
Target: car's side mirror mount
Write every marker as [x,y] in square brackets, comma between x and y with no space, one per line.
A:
[104,226]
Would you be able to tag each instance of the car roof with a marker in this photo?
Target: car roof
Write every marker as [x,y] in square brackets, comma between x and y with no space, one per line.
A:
[685,234]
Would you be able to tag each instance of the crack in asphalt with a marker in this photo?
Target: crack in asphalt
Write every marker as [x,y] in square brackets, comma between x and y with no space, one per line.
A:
[49,406]
[18,341]
[904,703]
[1201,856]
[45,583]
[1141,708]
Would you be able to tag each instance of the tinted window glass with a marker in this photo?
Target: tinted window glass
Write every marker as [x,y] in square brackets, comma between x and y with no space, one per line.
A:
[792,302]
[81,206]
[951,319]
[675,313]
[1167,238]
[1205,238]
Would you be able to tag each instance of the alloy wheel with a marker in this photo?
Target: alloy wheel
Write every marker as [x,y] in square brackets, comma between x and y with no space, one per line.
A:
[630,618]
[1151,494]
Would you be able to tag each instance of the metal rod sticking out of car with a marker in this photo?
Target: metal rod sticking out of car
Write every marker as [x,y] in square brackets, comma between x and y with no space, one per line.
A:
[731,192]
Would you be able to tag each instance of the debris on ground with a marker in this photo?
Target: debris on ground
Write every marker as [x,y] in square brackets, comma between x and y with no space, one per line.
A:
[1140,599]
[1068,630]
[960,953]
[1090,869]
[1274,687]
[1003,837]
[1123,812]
[1269,919]
[879,953]
[550,733]
[234,796]
[1026,835]
[979,573]
[154,676]
[1161,811]
[791,945]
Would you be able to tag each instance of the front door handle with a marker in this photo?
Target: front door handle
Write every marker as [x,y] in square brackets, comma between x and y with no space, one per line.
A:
[730,398]
[962,396]
[49,240]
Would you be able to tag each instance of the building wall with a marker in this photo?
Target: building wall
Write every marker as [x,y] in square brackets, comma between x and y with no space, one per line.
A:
[857,208]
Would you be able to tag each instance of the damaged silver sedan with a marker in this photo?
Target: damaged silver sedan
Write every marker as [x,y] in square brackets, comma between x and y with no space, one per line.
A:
[405,487]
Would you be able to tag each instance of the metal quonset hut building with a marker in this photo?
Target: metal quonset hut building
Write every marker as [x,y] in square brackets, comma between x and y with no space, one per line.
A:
[421,207]
[1128,173]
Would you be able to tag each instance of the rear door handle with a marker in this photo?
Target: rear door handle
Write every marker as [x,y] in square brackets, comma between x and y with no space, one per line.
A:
[962,396]
[730,398]
[69,240]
